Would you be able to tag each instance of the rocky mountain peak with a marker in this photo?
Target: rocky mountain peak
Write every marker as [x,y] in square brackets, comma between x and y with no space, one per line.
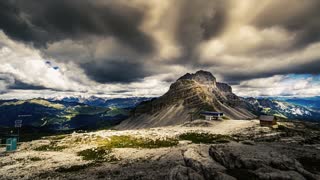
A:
[224,87]
[190,94]
[202,77]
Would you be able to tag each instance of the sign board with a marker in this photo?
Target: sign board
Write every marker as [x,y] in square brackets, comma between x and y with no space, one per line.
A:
[18,123]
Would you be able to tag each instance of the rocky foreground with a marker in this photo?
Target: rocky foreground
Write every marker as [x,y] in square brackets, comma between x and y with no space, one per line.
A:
[229,149]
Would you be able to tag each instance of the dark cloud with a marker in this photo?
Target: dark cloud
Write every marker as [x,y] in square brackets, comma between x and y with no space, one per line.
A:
[121,91]
[41,22]
[115,71]
[297,17]
[198,21]
[235,78]
[13,24]
[307,68]
[24,86]
[214,25]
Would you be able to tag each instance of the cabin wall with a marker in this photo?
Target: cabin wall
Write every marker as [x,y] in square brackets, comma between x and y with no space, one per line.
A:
[209,118]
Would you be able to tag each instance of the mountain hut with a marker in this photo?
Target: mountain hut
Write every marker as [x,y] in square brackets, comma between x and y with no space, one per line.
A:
[211,115]
[267,120]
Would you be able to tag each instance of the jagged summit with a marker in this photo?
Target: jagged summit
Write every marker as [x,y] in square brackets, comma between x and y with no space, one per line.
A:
[203,77]
[190,94]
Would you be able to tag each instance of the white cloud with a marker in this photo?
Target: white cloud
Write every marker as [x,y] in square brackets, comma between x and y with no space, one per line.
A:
[279,85]
[26,64]
[5,81]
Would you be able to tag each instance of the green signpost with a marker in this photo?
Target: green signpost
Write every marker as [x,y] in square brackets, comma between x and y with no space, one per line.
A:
[11,143]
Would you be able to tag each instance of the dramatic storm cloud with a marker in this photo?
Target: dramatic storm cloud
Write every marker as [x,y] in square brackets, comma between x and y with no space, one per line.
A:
[138,47]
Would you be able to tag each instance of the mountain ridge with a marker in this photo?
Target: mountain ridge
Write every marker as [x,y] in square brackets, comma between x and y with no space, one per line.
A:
[281,108]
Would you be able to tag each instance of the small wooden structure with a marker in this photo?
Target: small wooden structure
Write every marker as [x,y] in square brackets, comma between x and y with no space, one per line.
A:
[267,120]
[211,115]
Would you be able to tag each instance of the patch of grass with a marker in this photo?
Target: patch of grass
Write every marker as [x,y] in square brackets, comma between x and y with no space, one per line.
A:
[50,147]
[225,118]
[104,150]
[97,154]
[35,159]
[205,138]
[132,142]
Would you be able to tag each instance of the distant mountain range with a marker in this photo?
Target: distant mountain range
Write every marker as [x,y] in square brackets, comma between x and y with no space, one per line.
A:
[64,114]
[308,102]
[283,108]
[103,102]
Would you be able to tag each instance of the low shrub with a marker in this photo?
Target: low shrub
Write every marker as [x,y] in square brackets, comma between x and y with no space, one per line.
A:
[132,142]
[97,154]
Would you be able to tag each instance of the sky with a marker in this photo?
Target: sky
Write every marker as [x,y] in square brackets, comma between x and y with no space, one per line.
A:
[123,48]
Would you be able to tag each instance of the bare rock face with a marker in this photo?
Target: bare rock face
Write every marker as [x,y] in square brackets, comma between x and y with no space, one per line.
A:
[190,94]
[223,87]
[202,163]
[184,173]
[199,165]
[202,77]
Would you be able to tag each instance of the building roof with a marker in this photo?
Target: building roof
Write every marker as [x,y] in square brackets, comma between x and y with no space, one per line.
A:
[266,118]
[210,113]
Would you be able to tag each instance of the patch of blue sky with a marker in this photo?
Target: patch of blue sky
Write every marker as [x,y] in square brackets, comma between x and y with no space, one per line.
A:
[314,79]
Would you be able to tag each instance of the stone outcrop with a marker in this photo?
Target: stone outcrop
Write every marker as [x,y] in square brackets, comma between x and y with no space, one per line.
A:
[259,162]
[238,161]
